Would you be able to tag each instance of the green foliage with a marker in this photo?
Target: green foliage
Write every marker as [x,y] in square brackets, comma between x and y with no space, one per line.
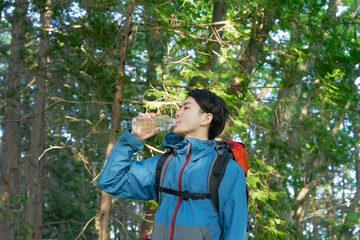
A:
[166,100]
[297,112]
[68,204]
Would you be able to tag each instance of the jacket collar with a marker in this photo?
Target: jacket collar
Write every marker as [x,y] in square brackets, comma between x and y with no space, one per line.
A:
[199,148]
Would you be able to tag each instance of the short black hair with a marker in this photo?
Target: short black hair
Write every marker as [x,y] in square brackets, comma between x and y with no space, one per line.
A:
[209,102]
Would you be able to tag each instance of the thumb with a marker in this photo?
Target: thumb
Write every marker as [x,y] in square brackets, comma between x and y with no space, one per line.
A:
[156,131]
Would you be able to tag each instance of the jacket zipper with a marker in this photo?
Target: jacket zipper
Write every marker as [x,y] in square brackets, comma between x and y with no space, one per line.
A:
[179,188]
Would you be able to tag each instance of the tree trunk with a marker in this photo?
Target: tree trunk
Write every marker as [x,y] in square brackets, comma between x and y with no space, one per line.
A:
[355,203]
[332,211]
[252,52]
[104,217]
[156,47]
[213,49]
[328,206]
[34,211]
[294,139]
[283,115]
[10,178]
[315,227]
[348,223]
[147,224]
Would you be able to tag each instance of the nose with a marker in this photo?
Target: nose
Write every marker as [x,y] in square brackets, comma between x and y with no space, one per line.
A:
[177,114]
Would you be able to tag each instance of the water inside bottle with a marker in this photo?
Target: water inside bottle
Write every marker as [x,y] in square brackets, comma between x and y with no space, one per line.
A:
[164,122]
[142,124]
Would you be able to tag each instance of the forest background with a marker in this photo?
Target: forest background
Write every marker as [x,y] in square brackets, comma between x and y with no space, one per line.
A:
[74,73]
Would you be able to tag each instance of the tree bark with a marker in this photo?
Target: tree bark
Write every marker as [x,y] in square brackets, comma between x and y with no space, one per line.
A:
[252,52]
[155,46]
[294,140]
[147,224]
[34,166]
[332,211]
[10,179]
[213,49]
[104,217]
[355,203]
[348,224]
[283,115]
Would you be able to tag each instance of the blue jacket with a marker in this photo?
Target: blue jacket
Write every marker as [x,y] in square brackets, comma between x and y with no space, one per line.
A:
[183,219]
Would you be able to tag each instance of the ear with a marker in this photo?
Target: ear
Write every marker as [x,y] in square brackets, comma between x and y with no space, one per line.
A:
[208,117]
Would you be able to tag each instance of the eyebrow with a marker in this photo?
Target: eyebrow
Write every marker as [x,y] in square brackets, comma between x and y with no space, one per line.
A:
[185,103]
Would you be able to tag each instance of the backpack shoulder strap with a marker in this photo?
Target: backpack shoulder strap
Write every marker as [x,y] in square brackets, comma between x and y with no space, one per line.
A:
[161,167]
[217,171]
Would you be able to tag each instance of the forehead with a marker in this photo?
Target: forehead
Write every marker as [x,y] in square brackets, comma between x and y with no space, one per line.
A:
[189,101]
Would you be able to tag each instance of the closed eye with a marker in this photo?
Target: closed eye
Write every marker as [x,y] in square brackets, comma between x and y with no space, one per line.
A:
[185,107]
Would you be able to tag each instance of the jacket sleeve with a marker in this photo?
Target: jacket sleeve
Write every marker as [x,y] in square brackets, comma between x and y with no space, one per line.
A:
[125,178]
[233,203]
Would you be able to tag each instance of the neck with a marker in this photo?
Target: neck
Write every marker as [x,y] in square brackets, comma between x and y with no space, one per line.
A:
[200,136]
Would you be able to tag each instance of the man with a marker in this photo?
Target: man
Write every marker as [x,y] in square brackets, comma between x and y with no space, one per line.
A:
[199,120]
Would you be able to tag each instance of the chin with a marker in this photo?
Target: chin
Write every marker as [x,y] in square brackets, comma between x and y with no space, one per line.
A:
[178,132]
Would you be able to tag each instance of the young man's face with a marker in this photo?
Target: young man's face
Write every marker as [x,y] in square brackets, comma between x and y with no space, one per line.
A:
[191,121]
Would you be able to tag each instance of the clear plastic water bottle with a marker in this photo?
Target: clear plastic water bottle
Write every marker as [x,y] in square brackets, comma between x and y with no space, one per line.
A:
[164,122]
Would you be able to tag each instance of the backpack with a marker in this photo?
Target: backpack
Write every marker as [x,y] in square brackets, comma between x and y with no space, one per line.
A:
[225,151]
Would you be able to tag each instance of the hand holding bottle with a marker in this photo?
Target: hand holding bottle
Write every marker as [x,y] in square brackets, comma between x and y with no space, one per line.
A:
[147,125]
[144,125]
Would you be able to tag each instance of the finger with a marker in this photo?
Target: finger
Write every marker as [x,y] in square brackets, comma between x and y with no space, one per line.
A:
[154,132]
[157,130]
[142,115]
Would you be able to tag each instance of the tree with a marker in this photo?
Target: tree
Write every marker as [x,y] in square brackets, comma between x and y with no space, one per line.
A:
[115,118]
[34,211]
[212,50]
[10,154]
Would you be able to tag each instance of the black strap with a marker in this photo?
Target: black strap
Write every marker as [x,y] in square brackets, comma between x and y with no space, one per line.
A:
[186,195]
[159,168]
[223,156]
